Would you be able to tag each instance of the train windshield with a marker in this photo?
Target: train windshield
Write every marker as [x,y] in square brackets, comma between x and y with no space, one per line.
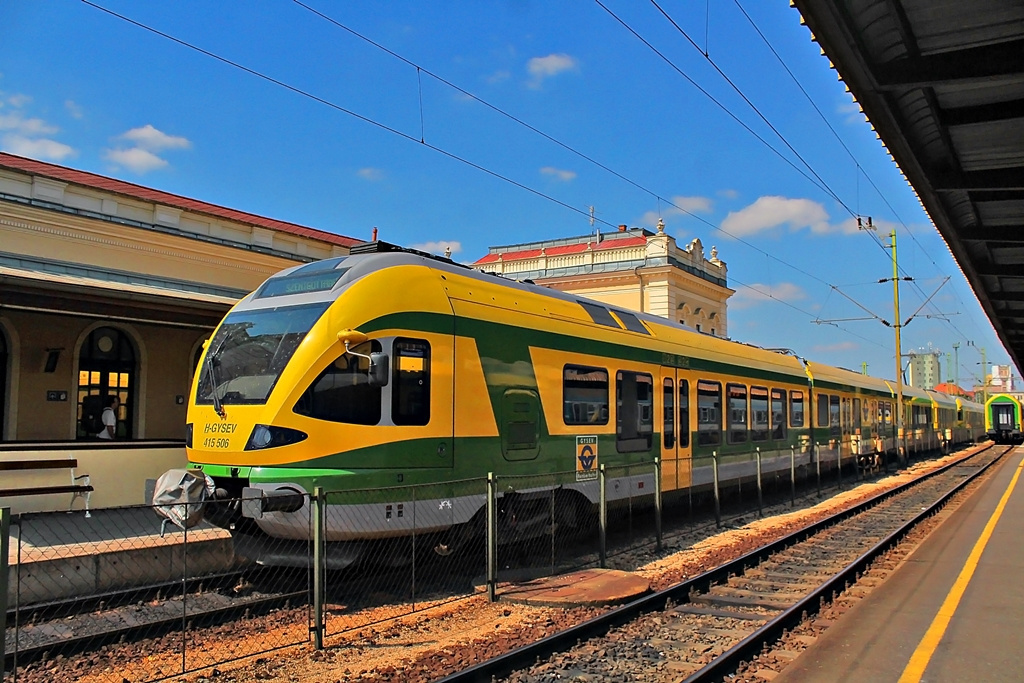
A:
[250,350]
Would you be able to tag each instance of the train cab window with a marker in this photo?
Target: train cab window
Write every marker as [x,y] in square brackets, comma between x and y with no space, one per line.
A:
[709,413]
[833,415]
[796,409]
[778,414]
[857,423]
[342,392]
[821,411]
[584,395]
[634,415]
[736,417]
[684,413]
[758,414]
[668,413]
[410,395]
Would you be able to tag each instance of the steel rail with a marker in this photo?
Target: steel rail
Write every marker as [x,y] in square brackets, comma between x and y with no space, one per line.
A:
[526,656]
[157,627]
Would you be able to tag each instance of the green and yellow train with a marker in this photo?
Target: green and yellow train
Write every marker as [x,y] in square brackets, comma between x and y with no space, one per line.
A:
[389,368]
[1003,419]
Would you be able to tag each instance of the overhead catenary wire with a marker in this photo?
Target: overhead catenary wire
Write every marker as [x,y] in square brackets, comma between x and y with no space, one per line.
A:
[455,157]
[860,167]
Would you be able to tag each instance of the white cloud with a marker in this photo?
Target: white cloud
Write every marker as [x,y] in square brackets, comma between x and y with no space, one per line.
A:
[369,173]
[23,126]
[439,246]
[135,159]
[73,109]
[18,100]
[838,346]
[770,213]
[546,67]
[756,294]
[149,138]
[686,206]
[37,148]
[558,174]
[851,112]
[728,194]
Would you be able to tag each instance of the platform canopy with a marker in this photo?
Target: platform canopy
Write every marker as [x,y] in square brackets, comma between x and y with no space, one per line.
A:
[943,85]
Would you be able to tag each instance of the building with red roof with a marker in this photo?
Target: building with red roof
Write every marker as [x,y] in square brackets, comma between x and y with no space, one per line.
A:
[631,268]
[111,288]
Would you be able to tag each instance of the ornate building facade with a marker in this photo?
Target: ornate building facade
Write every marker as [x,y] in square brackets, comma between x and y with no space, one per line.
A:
[633,268]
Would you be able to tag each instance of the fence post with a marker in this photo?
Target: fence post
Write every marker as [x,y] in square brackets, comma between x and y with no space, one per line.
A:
[817,464]
[839,463]
[319,565]
[5,539]
[718,502]
[760,497]
[657,501]
[792,476]
[492,537]
[602,516]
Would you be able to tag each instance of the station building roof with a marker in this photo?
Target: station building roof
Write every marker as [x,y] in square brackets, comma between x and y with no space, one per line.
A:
[942,84]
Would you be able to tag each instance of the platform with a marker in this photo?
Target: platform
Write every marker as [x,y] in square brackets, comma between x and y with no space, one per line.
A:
[66,554]
[984,640]
[586,588]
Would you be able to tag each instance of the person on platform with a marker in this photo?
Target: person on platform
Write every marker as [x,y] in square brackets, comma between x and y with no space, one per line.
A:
[109,418]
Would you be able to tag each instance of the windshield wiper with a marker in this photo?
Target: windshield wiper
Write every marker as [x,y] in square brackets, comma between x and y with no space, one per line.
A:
[214,384]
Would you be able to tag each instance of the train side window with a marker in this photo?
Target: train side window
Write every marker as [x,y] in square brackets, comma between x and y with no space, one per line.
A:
[796,409]
[821,411]
[684,413]
[342,392]
[833,415]
[856,413]
[709,413]
[410,397]
[668,413]
[736,417]
[584,395]
[634,415]
[778,414]
[758,413]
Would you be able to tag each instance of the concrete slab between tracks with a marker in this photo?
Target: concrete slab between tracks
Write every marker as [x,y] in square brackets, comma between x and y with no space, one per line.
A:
[876,639]
[586,588]
[55,556]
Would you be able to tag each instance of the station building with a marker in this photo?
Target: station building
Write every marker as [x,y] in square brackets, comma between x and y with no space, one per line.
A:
[107,287]
[634,269]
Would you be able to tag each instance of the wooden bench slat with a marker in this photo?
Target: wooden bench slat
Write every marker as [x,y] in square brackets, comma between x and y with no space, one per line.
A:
[63,463]
[44,490]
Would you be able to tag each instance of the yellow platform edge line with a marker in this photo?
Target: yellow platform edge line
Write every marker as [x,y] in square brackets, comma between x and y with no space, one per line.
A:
[926,648]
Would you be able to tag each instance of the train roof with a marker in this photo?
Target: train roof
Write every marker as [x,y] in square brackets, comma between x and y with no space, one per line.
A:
[325,280]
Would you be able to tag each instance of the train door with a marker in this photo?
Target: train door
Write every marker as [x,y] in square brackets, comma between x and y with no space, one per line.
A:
[675,430]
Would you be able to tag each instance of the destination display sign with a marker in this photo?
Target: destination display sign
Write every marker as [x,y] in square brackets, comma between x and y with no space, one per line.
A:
[301,284]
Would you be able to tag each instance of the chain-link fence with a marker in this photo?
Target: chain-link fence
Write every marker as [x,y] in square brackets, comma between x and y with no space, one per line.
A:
[116,595]
[394,551]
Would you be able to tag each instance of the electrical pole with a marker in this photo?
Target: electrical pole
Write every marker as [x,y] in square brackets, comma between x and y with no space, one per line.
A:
[956,364]
[899,351]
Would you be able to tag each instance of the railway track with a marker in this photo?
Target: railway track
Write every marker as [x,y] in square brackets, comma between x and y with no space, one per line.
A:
[704,628]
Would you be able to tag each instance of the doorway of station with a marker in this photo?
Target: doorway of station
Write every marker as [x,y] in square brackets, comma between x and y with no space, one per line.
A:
[106,367]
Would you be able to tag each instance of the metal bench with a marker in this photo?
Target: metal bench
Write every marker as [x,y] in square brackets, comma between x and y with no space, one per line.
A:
[78,488]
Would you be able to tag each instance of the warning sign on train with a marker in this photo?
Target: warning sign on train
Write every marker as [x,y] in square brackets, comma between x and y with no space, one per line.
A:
[586,458]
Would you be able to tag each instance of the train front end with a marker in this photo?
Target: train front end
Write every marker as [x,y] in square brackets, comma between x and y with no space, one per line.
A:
[286,399]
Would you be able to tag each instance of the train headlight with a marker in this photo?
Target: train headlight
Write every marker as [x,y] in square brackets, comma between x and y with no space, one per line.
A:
[266,436]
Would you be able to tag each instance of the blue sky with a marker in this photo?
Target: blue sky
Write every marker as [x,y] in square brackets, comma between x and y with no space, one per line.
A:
[616,82]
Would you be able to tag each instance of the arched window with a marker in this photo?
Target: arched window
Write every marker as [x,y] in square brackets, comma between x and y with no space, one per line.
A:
[106,366]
